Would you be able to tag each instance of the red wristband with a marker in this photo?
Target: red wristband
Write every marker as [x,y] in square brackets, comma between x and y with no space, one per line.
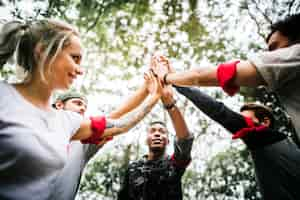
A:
[226,72]
[247,130]
[98,125]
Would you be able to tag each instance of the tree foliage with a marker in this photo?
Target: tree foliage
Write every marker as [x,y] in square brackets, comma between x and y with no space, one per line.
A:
[228,175]
[121,35]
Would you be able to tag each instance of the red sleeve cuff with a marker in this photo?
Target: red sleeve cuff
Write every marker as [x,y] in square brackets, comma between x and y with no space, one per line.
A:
[98,125]
[249,121]
[180,163]
[225,74]
[247,130]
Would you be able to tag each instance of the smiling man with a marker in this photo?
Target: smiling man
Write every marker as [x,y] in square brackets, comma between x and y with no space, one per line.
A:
[157,175]
[72,101]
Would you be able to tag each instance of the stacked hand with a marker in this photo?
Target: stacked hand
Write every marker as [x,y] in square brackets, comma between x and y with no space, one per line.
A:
[159,67]
[154,85]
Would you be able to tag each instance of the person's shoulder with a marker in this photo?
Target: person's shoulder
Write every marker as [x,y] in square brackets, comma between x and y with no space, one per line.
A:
[136,163]
[70,120]
[4,84]
[6,92]
[68,114]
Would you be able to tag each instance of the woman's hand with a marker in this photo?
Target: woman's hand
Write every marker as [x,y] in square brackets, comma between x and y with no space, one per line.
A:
[154,85]
[149,84]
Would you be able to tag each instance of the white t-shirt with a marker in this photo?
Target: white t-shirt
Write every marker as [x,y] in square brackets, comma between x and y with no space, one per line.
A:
[33,146]
[281,70]
[69,180]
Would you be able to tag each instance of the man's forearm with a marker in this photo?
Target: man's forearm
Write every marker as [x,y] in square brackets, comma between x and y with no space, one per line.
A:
[217,111]
[127,122]
[174,113]
[194,77]
[178,122]
[246,75]
[184,140]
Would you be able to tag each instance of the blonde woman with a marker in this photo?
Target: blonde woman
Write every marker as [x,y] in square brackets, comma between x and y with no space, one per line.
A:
[33,135]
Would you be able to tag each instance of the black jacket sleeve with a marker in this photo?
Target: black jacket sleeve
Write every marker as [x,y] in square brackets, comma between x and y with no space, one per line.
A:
[124,191]
[217,111]
[229,119]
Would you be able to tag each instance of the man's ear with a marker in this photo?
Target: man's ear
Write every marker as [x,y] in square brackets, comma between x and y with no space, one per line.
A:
[59,105]
[266,122]
[167,140]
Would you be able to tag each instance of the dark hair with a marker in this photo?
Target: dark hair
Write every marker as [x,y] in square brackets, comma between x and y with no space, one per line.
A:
[22,38]
[260,112]
[289,27]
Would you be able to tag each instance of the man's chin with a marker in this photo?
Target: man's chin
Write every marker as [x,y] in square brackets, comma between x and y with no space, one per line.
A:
[157,149]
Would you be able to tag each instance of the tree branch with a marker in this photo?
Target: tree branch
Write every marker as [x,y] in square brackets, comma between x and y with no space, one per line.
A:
[291,4]
[266,17]
[99,14]
[260,33]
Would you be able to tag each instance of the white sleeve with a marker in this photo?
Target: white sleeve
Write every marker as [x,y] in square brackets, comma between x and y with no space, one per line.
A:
[72,122]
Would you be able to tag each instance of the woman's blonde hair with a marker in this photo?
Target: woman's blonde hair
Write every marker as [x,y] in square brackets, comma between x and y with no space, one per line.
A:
[21,39]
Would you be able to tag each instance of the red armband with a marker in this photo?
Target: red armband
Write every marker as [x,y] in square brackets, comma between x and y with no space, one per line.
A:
[225,74]
[250,128]
[109,138]
[98,125]
[106,139]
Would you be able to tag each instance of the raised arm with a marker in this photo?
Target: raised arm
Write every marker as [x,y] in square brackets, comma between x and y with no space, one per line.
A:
[117,126]
[216,110]
[184,139]
[178,121]
[134,100]
[124,124]
[246,75]
[131,103]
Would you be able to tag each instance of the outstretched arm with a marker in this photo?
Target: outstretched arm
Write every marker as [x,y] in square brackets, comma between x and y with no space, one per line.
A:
[131,103]
[124,124]
[246,75]
[117,126]
[217,111]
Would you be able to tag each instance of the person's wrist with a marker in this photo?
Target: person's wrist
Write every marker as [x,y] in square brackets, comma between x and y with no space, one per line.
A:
[165,81]
[167,99]
[156,96]
[170,106]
